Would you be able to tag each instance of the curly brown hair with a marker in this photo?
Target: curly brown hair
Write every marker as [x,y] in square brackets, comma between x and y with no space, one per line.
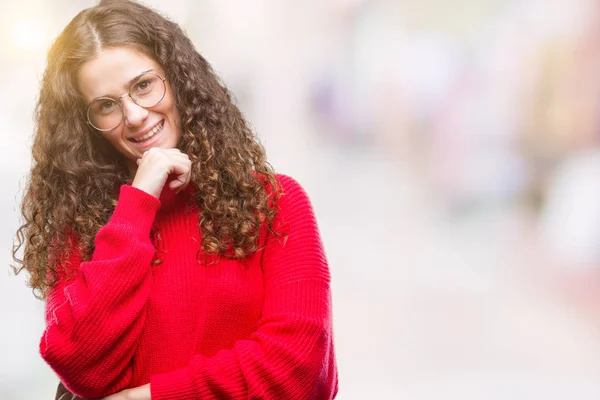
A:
[76,173]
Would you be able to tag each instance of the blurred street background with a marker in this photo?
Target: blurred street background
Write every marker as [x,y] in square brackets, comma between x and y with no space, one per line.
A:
[451,150]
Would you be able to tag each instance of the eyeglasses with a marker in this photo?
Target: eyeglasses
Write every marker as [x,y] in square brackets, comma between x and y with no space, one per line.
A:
[106,113]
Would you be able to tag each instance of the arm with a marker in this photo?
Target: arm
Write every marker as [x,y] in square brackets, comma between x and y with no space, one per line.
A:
[93,322]
[290,356]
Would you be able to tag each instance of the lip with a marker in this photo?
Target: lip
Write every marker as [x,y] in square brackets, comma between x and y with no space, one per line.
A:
[150,142]
[145,131]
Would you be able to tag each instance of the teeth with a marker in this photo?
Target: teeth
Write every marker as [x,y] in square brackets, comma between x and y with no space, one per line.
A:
[148,135]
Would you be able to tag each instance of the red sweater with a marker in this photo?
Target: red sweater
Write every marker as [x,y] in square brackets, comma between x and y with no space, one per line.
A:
[195,330]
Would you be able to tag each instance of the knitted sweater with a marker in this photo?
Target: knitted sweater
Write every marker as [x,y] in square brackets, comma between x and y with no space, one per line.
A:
[259,329]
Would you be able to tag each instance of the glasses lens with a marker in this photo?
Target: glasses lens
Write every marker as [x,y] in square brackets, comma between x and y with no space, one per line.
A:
[148,90]
[105,114]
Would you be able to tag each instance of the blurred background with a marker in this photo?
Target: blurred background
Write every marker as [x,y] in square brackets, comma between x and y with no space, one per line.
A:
[452,154]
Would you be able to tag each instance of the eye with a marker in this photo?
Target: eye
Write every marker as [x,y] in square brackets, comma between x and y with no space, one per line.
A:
[106,105]
[143,86]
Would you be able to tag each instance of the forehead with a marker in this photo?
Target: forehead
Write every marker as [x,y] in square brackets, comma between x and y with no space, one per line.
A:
[111,70]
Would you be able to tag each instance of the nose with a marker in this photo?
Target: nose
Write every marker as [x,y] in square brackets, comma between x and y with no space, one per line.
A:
[133,114]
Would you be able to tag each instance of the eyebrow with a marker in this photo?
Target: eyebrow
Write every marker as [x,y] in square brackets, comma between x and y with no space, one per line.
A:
[125,86]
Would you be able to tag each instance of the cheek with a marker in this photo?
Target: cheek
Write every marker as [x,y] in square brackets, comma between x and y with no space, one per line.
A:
[171,106]
[114,138]
[174,114]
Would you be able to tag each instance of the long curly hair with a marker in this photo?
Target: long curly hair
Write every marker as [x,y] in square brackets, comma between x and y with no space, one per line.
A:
[76,173]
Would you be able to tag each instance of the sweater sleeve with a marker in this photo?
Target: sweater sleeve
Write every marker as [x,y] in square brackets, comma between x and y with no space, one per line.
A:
[93,321]
[290,356]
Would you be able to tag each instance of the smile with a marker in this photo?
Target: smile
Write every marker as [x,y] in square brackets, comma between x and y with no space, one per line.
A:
[148,135]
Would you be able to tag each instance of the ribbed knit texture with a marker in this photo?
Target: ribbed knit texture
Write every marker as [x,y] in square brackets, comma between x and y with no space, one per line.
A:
[257,329]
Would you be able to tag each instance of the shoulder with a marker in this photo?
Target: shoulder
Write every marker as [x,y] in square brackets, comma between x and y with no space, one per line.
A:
[294,250]
[284,190]
[293,194]
[290,186]
[293,211]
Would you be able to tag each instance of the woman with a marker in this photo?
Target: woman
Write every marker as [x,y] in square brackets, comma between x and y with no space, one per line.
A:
[175,264]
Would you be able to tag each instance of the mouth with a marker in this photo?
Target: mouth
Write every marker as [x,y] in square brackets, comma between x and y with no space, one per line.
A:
[153,132]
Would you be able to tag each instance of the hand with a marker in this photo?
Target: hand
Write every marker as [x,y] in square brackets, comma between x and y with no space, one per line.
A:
[155,166]
[138,393]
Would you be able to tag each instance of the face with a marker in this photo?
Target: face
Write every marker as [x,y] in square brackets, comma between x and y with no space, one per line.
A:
[111,74]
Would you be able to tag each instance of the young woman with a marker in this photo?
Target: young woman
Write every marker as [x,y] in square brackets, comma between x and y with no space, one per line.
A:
[174,262]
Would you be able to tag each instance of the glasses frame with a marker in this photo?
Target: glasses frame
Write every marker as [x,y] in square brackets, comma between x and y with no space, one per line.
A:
[119,101]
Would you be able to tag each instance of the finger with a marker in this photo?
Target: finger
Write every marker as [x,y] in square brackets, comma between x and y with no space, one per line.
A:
[181,186]
[174,184]
[180,178]
[177,186]
[189,173]
[188,163]
[181,170]
[175,151]
[179,156]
